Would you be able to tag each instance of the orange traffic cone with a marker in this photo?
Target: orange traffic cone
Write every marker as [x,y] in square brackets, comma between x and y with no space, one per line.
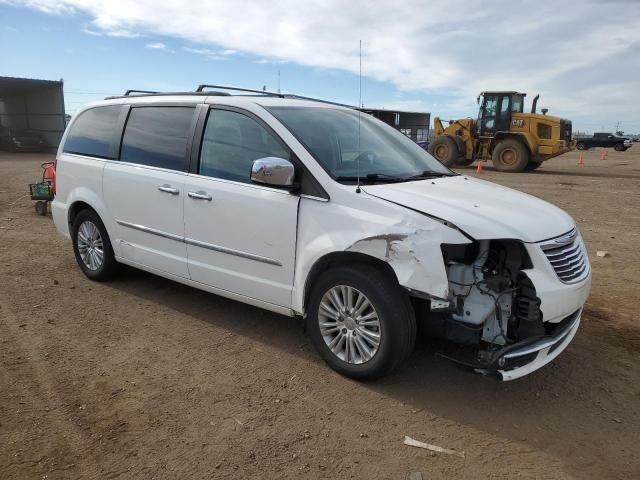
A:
[604,154]
[479,168]
[581,160]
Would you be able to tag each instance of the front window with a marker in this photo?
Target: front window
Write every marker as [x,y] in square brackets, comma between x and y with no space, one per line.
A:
[348,143]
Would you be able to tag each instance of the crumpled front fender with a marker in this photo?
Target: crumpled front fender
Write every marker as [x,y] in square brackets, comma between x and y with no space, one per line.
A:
[408,241]
[415,256]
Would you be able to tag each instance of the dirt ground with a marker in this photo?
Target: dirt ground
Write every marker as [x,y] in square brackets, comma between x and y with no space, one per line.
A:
[146,378]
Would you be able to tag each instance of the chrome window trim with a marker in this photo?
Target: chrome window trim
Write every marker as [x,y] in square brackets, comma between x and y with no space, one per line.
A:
[198,243]
[241,184]
[313,197]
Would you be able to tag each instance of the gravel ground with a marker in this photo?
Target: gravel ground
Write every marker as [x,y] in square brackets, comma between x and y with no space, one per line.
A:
[146,378]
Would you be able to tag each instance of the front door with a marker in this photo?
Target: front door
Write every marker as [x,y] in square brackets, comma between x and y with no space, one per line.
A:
[144,190]
[240,236]
[495,114]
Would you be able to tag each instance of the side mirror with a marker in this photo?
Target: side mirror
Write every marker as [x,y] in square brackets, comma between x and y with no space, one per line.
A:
[273,171]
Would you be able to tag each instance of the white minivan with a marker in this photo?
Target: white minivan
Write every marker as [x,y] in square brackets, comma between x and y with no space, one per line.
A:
[320,211]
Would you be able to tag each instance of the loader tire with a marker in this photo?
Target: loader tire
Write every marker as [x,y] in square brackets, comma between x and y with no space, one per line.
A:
[510,155]
[445,150]
[464,162]
[531,166]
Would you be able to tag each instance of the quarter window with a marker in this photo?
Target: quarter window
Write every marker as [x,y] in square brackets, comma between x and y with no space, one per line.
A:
[157,137]
[231,142]
[92,132]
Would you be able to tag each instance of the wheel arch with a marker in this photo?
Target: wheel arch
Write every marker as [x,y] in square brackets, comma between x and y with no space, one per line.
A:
[75,208]
[343,258]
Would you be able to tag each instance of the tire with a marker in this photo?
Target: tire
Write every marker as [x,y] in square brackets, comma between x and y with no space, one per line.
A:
[92,247]
[461,161]
[531,166]
[619,147]
[510,155]
[396,328]
[581,146]
[445,150]
[41,208]
[464,162]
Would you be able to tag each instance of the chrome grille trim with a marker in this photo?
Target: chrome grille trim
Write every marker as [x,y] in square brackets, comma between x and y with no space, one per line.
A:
[567,256]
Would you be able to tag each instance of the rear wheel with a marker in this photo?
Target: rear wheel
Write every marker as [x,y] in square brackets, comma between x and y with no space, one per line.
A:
[510,156]
[92,247]
[445,150]
[361,323]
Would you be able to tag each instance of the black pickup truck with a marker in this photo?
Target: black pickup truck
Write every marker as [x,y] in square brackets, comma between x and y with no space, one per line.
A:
[607,140]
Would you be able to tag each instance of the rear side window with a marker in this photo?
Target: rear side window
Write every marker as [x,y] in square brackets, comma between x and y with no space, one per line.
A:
[157,137]
[231,142]
[92,132]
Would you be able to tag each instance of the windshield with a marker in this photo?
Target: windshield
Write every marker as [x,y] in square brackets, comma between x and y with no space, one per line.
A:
[346,146]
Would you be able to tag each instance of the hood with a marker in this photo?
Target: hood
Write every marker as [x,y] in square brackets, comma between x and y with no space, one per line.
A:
[482,209]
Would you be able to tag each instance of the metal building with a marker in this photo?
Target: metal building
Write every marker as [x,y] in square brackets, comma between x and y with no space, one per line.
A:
[28,104]
[414,125]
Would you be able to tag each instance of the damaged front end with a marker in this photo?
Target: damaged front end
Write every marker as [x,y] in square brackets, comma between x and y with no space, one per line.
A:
[492,318]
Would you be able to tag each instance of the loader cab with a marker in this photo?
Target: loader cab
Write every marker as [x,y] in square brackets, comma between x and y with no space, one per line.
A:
[495,111]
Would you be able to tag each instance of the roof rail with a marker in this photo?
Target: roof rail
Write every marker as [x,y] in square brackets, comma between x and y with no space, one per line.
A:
[300,97]
[129,92]
[236,89]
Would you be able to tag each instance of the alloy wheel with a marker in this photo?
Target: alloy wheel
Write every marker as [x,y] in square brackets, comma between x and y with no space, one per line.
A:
[90,245]
[349,324]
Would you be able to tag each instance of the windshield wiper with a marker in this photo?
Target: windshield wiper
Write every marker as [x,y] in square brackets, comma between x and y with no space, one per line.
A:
[430,174]
[372,178]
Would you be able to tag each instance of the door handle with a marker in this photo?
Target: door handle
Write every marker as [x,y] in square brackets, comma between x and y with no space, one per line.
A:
[169,189]
[200,195]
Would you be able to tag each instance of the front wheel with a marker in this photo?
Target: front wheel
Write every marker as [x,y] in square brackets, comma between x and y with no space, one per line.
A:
[510,155]
[619,147]
[360,322]
[531,166]
[92,247]
[445,149]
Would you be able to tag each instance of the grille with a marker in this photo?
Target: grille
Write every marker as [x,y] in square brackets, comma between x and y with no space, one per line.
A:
[567,256]
[565,130]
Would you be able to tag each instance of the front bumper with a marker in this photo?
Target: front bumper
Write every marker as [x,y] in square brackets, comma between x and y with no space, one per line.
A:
[522,358]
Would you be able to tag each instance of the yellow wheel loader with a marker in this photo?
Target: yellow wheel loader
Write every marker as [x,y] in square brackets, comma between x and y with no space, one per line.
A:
[514,141]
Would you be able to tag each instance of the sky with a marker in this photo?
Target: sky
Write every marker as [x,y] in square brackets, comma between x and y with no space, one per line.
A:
[581,56]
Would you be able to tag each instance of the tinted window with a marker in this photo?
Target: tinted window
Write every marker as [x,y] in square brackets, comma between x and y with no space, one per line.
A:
[232,142]
[92,132]
[157,136]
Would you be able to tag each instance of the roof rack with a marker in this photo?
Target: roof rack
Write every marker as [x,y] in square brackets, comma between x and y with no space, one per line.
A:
[129,92]
[200,92]
[236,89]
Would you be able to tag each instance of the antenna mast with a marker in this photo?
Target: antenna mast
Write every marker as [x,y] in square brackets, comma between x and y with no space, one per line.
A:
[359,112]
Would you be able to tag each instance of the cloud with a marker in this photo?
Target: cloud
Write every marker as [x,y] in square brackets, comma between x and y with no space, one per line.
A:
[156,46]
[210,54]
[575,53]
